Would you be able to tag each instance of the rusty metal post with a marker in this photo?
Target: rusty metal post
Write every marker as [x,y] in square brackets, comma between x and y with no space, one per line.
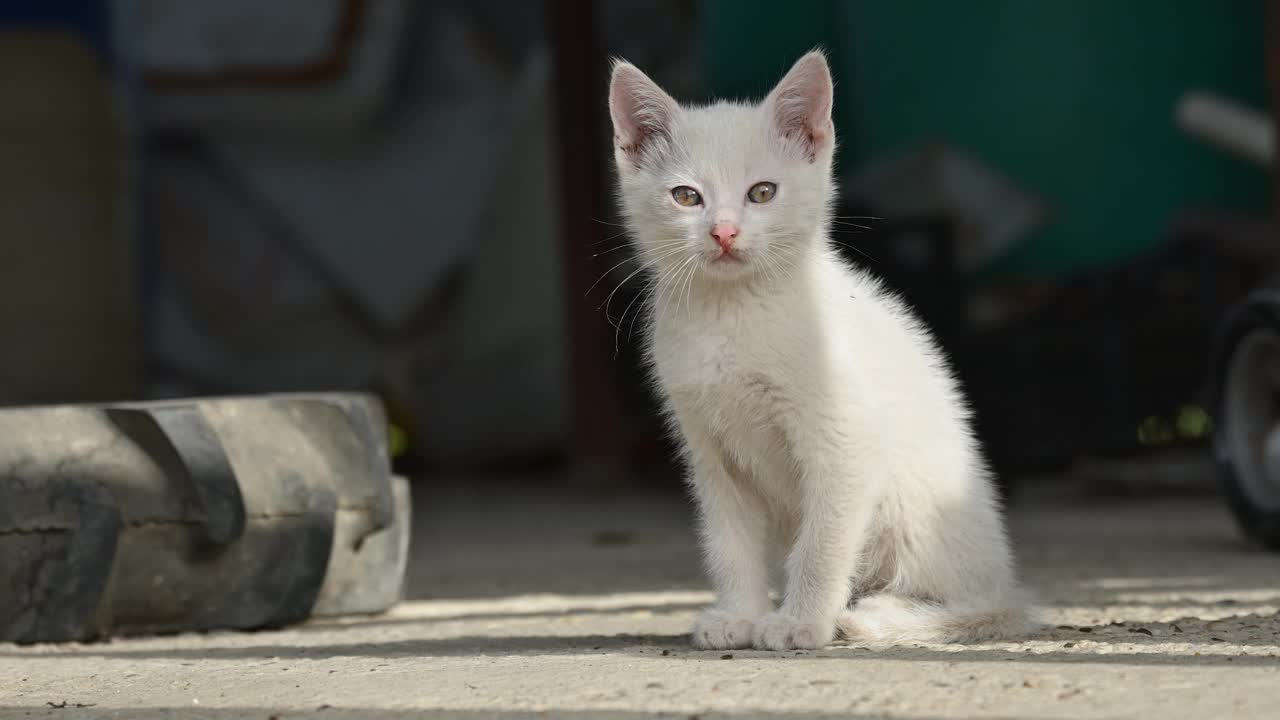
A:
[598,442]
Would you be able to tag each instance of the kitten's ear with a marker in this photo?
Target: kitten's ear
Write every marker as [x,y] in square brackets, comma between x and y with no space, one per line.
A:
[641,111]
[801,104]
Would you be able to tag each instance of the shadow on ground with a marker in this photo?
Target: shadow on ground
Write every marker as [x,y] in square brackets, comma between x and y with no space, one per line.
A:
[1114,644]
[337,713]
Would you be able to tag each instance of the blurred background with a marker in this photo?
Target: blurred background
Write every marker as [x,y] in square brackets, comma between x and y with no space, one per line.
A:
[414,198]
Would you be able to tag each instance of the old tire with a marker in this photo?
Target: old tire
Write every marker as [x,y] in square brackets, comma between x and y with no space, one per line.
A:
[189,515]
[1246,437]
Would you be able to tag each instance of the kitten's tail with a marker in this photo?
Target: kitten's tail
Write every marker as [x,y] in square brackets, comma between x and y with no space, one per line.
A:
[893,619]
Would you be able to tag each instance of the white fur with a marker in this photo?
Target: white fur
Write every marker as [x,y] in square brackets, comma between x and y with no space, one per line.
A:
[824,433]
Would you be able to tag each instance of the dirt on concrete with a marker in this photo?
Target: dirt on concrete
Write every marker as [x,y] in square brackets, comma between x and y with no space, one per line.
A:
[528,601]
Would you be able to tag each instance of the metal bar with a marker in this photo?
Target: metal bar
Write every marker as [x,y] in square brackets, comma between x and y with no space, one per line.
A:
[597,429]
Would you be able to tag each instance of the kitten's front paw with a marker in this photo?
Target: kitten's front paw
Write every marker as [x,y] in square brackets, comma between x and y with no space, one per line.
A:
[778,631]
[719,630]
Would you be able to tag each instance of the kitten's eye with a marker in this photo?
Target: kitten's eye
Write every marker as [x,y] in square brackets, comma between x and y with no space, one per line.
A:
[686,196]
[762,192]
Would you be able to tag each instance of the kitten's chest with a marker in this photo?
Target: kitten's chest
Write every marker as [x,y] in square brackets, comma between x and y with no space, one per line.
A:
[729,375]
[734,391]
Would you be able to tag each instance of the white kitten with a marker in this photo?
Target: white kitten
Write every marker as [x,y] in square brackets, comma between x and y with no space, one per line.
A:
[823,430]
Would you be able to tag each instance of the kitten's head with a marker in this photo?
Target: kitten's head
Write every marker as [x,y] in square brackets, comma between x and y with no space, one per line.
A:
[730,190]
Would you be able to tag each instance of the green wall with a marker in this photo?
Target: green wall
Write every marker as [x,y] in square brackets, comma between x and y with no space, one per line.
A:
[750,44]
[1072,98]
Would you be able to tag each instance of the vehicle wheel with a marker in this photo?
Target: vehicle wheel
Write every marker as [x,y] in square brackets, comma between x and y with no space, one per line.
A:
[1246,436]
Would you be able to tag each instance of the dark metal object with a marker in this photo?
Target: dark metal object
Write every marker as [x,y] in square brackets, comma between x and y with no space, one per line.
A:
[233,513]
[1080,372]
[1247,406]
[1246,368]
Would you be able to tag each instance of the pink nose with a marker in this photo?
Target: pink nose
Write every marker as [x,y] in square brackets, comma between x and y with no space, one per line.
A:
[724,234]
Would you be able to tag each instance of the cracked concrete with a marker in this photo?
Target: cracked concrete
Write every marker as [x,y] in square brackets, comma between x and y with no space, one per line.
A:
[527,601]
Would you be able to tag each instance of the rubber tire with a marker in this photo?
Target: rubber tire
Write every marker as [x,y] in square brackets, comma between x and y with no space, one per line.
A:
[1260,312]
[256,512]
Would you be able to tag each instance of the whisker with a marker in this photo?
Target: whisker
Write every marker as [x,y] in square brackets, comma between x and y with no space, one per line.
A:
[615,267]
[655,298]
[605,222]
[771,267]
[656,244]
[637,271]
[602,241]
[636,316]
[841,223]
[678,283]
[623,246]
[789,266]
[766,265]
[785,259]
[645,266]
[688,289]
[617,329]
[854,248]
[675,275]
[650,300]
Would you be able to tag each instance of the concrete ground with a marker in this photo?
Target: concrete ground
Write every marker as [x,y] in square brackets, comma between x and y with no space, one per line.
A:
[535,602]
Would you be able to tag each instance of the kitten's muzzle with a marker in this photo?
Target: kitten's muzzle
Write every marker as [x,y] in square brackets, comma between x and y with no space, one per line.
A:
[725,233]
